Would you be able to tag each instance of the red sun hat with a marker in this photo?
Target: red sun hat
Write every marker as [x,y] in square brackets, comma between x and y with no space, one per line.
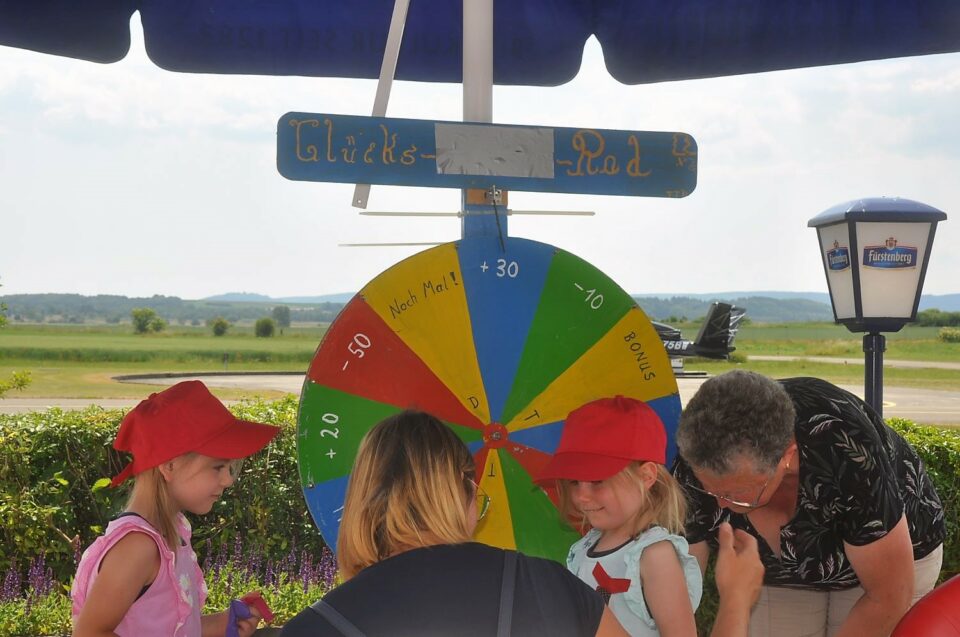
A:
[181,419]
[602,437]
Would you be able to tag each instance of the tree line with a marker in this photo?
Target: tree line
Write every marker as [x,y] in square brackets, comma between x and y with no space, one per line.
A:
[146,320]
[938,318]
[76,308]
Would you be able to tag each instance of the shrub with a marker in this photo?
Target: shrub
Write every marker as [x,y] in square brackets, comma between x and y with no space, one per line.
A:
[143,319]
[949,334]
[49,465]
[42,609]
[265,327]
[290,584]
[17,380]
[281,314]
[940,451]
[219,326]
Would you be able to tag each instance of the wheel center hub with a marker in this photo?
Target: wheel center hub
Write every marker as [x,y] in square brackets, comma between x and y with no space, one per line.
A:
[495,435]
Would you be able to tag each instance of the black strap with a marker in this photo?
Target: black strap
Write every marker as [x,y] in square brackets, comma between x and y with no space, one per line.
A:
[338,621]
[127,514]
[507,587]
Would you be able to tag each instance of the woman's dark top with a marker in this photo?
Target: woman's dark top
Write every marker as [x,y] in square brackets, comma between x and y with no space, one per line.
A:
[857,478]
[455,590]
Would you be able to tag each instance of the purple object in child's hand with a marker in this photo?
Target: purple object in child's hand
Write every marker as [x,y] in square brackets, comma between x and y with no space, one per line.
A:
[238,610]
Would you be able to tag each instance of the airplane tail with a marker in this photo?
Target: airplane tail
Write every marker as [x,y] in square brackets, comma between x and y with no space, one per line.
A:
[719,329]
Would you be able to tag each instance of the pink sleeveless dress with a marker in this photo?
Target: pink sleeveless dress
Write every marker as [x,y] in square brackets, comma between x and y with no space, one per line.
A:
[172,603]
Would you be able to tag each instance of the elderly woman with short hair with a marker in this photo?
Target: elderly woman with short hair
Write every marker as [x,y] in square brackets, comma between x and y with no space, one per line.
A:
[850,527]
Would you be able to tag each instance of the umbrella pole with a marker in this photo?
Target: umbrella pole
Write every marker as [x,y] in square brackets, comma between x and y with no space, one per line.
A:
[484,213]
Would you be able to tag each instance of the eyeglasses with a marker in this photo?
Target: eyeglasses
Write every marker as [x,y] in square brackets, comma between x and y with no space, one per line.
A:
[739,503]
[483,500]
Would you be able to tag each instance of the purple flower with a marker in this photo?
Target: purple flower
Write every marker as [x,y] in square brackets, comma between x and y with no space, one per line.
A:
[208,551]
[11,584]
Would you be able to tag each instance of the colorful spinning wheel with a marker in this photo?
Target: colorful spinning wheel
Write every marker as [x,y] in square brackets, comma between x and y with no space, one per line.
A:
[499,343]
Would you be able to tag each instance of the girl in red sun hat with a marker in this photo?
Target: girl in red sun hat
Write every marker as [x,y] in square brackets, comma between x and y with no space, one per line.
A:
[610,474]
[141,578]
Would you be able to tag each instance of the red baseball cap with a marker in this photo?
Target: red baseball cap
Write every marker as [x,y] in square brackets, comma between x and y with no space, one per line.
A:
[181,419]
[602,437]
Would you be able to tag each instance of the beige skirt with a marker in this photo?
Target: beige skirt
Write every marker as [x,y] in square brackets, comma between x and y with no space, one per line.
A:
[790,612]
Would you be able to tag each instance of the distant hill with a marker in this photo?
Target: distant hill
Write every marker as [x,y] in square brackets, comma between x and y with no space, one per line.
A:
[945,302]
[249,297]
[239,297]
[762,309]
[819,297]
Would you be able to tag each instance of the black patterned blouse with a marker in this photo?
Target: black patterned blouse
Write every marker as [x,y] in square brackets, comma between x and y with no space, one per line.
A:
[857,477]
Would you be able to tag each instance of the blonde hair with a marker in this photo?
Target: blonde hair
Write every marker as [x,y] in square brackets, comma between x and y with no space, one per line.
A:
[663,504]
[409,487]
[150,490]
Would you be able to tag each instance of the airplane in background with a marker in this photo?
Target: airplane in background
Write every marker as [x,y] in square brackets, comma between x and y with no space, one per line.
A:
[715,339]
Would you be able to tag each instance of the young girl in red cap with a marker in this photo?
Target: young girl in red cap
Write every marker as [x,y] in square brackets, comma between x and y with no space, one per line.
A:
[141,578]
[610,474]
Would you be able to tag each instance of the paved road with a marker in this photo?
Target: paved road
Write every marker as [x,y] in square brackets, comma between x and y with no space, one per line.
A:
[921,405]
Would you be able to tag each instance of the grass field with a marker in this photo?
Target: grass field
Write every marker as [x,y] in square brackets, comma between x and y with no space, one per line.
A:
[826,339]
[181,344]
[80,361]
[924,378]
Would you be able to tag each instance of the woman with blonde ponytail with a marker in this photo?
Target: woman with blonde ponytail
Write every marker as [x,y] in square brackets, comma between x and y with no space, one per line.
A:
[410,568]
[405,551]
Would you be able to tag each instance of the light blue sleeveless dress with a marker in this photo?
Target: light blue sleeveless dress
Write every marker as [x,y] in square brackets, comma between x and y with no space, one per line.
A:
[624,564]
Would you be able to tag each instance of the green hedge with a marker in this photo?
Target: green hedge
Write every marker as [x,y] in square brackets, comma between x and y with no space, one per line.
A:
[940,451]
[52,466]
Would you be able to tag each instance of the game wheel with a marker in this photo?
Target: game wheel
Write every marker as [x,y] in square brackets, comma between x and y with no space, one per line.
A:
[500,341]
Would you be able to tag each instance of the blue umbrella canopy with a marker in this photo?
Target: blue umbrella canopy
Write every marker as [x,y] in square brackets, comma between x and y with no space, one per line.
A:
[536,42]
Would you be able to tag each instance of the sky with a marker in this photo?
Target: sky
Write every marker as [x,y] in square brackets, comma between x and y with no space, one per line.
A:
[127,179]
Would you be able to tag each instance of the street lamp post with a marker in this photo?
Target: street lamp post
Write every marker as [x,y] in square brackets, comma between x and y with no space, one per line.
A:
[875,253]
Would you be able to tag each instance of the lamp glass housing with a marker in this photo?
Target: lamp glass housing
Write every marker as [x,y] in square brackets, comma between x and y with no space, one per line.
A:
[890,292]
[835,250]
